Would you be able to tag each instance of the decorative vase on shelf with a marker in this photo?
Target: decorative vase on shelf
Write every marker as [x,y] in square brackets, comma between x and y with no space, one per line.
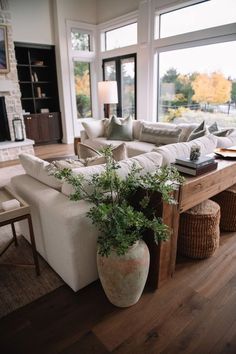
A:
[123,277]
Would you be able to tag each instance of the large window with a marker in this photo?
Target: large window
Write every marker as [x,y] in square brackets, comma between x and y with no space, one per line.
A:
[204,15]
[121,37]
[197,73]
[82,56]
[198,83]
[123,70]
[80,40]
[83,89]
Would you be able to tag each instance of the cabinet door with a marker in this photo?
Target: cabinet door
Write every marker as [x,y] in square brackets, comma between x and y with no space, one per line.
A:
[49,127]
[43,120]
[32,127]
[55,125]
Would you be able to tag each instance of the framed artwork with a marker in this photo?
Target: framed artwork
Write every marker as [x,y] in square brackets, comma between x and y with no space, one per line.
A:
[4,59]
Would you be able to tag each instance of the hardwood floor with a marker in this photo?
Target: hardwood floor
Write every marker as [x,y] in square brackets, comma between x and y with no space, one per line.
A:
[193,313]
[46,151]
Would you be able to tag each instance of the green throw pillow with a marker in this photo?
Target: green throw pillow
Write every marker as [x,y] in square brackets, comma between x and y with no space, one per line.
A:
[120,129]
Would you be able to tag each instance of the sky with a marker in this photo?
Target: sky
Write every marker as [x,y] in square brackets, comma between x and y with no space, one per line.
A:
[205,59]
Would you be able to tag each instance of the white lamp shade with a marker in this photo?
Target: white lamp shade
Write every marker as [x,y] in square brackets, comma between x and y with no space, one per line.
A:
[107,92]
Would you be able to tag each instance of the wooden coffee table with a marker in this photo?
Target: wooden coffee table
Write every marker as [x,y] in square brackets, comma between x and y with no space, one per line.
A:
[9,217]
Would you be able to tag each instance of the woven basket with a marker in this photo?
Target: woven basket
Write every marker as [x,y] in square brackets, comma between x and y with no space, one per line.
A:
[227,202]
[199,230]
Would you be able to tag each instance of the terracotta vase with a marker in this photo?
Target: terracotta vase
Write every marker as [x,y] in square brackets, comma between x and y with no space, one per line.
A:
[123,277]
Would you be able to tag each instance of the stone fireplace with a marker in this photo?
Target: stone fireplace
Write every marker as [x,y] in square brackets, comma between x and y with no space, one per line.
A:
[10,91]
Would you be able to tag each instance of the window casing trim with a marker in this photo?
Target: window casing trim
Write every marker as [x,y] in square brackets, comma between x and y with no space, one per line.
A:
[82,56]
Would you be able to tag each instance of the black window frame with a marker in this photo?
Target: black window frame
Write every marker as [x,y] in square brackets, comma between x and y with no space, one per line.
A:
[117,61]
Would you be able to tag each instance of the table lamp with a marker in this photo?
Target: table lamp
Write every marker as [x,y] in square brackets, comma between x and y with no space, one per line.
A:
[107,93]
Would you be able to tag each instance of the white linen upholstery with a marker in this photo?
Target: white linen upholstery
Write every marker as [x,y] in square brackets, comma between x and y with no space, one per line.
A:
[147,162]
[226,141]
[37,168]
[95,128]
[64,235]
[180,150]
[134,147]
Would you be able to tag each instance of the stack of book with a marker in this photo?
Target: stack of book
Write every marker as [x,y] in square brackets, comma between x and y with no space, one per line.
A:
[198,167]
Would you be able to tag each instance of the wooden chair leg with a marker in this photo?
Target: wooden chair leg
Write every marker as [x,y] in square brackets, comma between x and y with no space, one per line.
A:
[14,234]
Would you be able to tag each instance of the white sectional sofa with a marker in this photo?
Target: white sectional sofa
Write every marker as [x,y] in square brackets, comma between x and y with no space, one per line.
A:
[64,235]
[97,138]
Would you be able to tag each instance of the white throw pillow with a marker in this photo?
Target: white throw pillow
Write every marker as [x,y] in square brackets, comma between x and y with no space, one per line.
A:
[95,128]
[38,169]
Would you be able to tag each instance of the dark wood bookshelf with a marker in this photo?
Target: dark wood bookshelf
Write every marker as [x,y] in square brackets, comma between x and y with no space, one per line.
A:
[39,91]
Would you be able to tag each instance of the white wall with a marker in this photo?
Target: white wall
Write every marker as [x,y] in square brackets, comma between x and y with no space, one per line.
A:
[78,10]
[109,9]
[32,21]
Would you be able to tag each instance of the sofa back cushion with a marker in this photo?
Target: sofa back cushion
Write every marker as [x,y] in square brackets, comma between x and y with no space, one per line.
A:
[148,162]
[38,169]
[182,150]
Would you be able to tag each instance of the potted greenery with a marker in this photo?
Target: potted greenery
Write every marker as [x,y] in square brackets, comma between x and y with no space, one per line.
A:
[123,257]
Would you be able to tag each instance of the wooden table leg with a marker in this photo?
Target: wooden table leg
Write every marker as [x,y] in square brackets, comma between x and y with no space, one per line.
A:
[163,256]
[35,255]
[14,234]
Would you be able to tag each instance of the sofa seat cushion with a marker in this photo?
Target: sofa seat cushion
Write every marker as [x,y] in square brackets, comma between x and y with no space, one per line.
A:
[134,147]
[182,150]
[148,162]
[99,143]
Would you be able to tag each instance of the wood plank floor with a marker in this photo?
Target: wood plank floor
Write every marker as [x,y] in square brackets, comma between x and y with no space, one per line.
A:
[46,151]
[195,312]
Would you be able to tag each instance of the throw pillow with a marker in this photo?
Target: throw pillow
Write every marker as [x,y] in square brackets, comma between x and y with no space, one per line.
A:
[120,129]
[95,128]
[85,151]
[89,155]
[198,132]
[223,132]
[201,127]
[38,169]
[159,136]
[213,128]
[195,135]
